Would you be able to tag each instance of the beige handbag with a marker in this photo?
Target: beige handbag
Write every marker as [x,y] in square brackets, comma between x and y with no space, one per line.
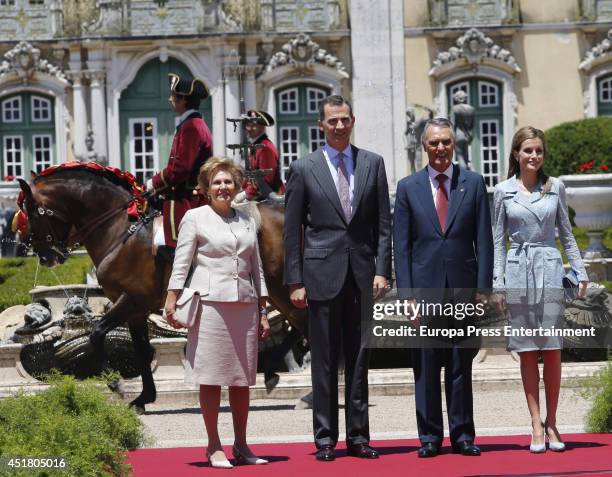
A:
[187,307]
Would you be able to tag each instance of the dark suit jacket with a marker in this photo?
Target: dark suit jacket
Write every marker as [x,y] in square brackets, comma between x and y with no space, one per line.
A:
[319,242]
[426,257]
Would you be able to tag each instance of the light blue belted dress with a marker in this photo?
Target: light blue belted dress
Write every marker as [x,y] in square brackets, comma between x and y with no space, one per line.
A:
[531,271]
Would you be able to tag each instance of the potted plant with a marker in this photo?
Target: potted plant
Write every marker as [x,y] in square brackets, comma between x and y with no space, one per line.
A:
[580,153]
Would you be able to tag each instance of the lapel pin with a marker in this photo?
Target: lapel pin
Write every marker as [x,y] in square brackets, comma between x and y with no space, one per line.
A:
[461,190]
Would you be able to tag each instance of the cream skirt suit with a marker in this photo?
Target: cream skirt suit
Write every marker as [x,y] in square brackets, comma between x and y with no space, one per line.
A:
[222,345]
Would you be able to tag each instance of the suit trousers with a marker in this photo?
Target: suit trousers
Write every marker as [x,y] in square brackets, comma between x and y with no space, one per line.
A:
[457,362]
[334,325]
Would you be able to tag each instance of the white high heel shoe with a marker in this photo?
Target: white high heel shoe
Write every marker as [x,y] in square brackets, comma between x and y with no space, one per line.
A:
[241,459]
[219,463]
[538,448]
[558,446]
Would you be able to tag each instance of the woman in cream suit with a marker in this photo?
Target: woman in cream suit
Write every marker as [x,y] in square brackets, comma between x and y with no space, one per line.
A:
[528,207]
[220,243]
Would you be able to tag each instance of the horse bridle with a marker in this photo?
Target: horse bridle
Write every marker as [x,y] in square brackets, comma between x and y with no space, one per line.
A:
[74,239]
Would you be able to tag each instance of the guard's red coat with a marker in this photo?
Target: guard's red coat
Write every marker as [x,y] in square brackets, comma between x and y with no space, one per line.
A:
[265,158]
[191,147]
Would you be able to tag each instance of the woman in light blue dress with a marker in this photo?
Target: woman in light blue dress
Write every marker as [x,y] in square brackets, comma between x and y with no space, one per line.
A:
[529,205]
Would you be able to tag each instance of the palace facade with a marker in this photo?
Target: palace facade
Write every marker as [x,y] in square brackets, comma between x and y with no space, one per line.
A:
[87,80]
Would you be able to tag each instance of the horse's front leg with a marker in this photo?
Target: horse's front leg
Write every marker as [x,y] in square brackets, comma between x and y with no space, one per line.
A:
[144,355]
[123,309]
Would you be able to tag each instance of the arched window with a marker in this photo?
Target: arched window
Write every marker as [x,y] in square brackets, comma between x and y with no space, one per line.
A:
[604,96]
[486,151]
[297,113]
[27,134]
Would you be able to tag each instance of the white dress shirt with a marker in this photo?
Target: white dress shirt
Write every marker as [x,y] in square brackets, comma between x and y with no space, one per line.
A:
[331,156]
[184,116]
[435,184]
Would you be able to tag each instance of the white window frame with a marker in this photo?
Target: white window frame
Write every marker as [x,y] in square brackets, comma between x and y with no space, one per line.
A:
[607,84]
[7,3]
[5,152]
[285,160]
[312,89]
[494,178]
[45,106]
[463,85]
[19,109]
[496,94]
[34,150]
[297,101]
[133,153]
[320,141]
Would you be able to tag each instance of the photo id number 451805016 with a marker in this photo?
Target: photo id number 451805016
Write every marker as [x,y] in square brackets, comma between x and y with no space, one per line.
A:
[14,463]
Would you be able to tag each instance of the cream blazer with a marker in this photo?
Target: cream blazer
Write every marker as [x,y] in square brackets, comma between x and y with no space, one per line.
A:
[225,255]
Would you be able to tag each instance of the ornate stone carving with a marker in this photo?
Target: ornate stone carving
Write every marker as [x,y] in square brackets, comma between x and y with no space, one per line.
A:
[472,12]
[474,48]
[600,53]
[292,15]
[111,19]
[301,53]
[25,61]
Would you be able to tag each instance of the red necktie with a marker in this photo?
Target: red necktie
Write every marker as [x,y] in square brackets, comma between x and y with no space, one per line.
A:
[442,201]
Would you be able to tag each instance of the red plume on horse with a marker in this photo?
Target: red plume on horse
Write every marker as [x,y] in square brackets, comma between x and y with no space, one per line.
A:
[88,204]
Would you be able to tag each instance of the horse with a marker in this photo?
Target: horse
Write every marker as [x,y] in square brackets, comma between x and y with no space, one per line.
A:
[87,205]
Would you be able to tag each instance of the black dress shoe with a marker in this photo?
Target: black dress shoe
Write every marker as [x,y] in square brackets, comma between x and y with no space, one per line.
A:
[326,453]
[363,451]
[429,449]
[466,448]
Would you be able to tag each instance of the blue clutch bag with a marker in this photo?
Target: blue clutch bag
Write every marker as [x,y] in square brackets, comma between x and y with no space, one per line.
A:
[570,285]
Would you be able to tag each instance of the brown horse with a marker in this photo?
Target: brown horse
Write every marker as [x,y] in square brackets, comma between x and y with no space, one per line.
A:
[78,204]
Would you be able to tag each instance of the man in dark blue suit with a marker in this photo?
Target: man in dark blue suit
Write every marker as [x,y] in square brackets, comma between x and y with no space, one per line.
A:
[337,239]
[442,240]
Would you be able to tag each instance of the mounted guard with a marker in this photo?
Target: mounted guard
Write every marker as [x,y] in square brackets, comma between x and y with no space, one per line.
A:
[263,156]
[191,147]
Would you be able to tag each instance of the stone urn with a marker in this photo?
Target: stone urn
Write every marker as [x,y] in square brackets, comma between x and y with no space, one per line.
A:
[590,195]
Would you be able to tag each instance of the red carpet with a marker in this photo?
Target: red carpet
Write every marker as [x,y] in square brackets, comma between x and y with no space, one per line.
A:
[586,454]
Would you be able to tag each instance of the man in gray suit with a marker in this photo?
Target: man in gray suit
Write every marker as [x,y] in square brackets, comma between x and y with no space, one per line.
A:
[337,240]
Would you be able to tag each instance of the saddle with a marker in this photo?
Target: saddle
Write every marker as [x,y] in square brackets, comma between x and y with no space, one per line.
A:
[164,252]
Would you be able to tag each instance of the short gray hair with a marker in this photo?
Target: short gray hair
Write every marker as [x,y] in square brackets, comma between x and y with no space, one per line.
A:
[440,122]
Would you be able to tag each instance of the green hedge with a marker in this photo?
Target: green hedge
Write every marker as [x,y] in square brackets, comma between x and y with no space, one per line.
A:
[574,143]
[74,421]
[599,389]
[18,275]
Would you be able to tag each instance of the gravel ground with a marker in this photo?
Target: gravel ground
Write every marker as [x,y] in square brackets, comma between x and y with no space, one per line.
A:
[391,417]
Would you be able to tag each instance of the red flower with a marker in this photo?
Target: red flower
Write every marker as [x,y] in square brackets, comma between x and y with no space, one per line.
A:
[9,178]
[604,168]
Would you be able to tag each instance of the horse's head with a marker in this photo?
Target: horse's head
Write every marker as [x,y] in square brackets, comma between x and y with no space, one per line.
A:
[48,229]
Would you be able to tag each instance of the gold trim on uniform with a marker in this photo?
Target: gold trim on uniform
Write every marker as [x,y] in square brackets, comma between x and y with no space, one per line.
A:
[172,224]
[161,176]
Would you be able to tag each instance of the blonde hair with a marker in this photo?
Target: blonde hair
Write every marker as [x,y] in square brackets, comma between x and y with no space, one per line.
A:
[215,165]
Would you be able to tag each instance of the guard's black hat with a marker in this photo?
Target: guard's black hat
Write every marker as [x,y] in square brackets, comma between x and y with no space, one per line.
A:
[260,117]
[194,88]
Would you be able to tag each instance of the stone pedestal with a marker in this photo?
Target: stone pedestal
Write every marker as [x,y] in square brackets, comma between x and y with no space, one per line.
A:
[599,269]
[169,358]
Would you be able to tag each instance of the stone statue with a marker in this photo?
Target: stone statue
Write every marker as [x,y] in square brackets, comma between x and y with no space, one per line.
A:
[91,155]
[412,136]
[463,118]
